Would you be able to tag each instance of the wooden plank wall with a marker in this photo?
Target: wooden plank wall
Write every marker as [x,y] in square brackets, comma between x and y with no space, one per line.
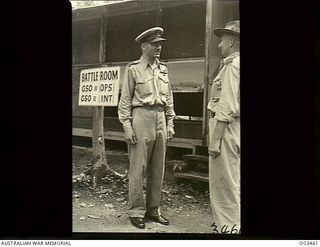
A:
[183,128]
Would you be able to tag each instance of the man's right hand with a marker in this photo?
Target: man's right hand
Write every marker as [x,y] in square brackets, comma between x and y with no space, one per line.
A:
[130,136]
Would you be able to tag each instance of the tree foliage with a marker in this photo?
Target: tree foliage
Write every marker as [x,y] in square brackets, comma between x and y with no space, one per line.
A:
[85,4]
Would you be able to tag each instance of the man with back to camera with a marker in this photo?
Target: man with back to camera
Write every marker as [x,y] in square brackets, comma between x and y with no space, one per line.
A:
[146,113]
[224,134]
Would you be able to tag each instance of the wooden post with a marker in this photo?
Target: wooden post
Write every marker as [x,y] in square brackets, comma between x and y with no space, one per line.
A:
[98,112]
[208,59]
[100,166]
[98,136]
[99,161]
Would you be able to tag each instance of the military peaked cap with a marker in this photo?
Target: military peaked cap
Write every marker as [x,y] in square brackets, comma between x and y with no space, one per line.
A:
[151,35]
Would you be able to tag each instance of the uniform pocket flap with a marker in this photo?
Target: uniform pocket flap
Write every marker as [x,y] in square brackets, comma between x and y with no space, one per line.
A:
[142,80]
[164,77]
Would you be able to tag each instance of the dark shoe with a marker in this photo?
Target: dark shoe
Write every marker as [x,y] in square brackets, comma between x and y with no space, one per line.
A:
[159,219]
[137,222]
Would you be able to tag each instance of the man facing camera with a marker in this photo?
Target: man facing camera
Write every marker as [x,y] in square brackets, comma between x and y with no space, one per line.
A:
[146,113]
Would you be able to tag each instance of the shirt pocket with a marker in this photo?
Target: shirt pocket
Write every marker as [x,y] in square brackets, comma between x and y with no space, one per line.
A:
[163,83]
[144,86]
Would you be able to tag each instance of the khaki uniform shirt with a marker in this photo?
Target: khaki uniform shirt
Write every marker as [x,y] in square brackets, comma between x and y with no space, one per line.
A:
[145,86]
[225,91]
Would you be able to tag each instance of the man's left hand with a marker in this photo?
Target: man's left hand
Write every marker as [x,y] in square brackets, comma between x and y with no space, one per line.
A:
[214,149]
[215,139]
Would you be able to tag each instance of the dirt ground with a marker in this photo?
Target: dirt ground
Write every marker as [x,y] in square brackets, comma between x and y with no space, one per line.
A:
[184,202]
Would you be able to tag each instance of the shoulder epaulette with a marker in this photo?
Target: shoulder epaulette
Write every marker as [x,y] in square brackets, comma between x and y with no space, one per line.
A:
[228,60]
[163,67]
[133,63]
[163,63]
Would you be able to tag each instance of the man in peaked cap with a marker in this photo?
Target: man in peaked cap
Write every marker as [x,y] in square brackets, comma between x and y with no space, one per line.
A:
[224,134]
[151,35]
[146,113]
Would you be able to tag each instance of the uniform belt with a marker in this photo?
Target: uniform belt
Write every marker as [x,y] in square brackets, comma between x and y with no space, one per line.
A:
[158,108]
[211,114]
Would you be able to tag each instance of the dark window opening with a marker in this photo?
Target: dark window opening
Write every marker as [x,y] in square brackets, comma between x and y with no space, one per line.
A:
[184,29]
[121,32]
[86,41]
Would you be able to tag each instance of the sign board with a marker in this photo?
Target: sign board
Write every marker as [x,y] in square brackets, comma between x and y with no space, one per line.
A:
[99,86]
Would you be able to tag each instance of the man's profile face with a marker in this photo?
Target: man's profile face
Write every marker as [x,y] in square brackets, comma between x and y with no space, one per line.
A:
[224,44]
[152,49]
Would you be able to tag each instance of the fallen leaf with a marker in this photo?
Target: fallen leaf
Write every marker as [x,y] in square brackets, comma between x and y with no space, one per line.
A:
[81,176]
[91,205]
[189,197]
[76,196]
[93,216]
[82,218]
[120,199]
[165,191]
[104,191]
[83,204]
[108,205]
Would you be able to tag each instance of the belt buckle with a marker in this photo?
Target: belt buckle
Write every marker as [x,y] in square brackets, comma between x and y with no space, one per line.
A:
[156,107]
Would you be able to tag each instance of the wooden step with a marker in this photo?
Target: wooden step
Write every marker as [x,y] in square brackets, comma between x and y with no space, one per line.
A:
[200,176]
[197,163]
[194,157]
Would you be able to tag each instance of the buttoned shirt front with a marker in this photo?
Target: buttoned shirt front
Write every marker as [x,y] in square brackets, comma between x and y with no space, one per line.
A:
[145,85]
[225,91]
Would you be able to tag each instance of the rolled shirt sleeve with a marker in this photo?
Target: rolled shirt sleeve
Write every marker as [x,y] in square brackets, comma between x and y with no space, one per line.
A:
[229,103]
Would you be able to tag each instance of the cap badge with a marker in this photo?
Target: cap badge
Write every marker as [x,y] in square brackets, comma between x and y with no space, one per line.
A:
[158,34]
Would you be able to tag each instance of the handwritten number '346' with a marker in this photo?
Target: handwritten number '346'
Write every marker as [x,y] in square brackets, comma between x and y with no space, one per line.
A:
[224,229]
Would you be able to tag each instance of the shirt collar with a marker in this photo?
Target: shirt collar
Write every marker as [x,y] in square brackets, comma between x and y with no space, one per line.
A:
[145,64]
[232,56]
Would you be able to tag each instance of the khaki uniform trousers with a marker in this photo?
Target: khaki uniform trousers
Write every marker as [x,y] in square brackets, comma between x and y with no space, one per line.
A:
[147,159]
[224,179]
